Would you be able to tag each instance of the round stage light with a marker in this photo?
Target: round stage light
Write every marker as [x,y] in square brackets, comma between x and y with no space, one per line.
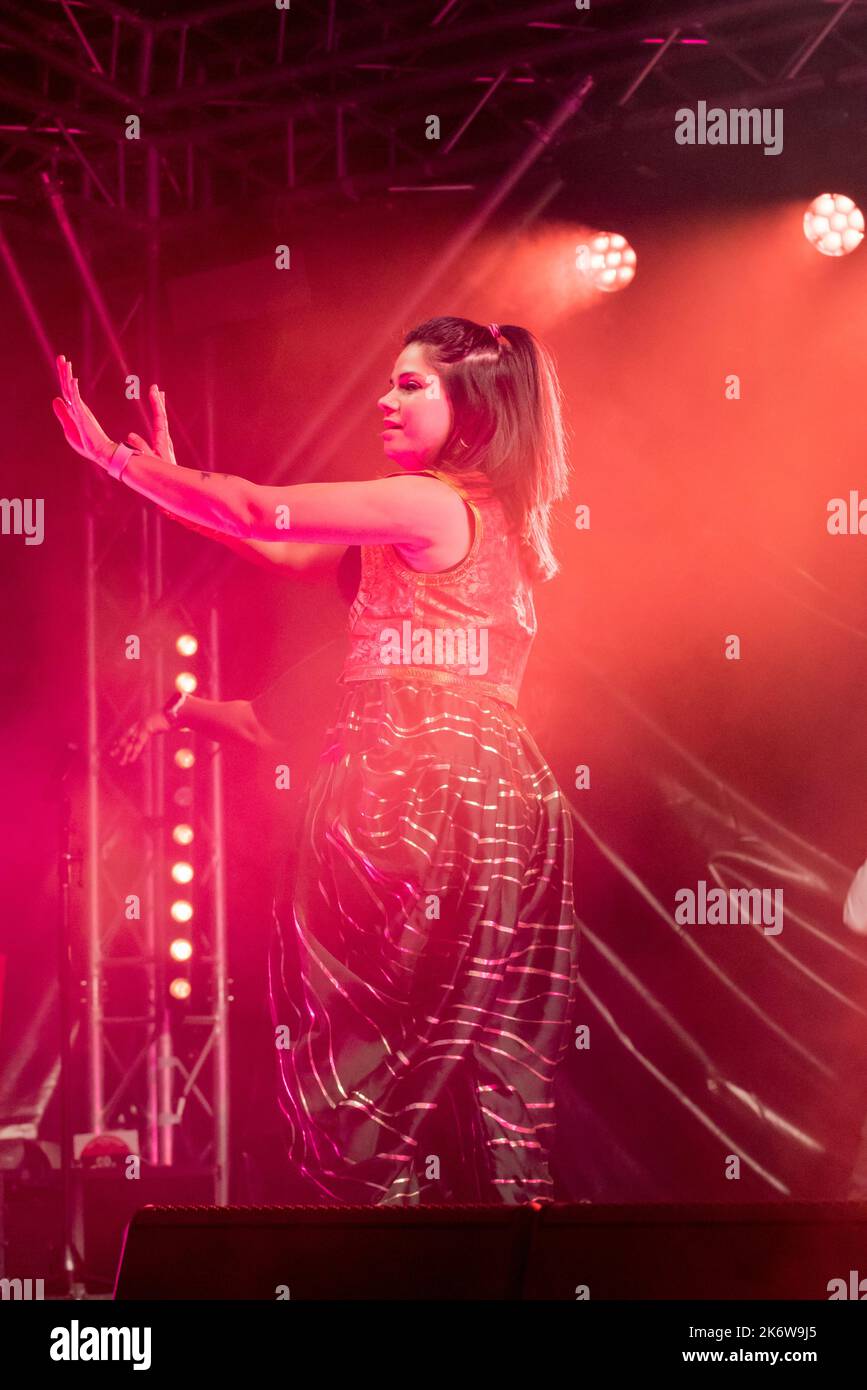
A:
[607,260]
[183,834]
[185,757]
[181,910]
[180,989]
[182,872]
[181,948]
[187,644]
[833,224]
[185,680]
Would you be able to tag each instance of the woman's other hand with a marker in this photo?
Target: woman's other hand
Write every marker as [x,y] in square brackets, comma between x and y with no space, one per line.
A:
[161,445]
[163,448]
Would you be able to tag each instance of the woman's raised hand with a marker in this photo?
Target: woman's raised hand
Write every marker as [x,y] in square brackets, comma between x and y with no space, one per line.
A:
[162,445]
[83,431]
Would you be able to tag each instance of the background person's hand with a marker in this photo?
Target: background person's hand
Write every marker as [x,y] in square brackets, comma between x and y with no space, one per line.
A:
[83,431]
[130,745]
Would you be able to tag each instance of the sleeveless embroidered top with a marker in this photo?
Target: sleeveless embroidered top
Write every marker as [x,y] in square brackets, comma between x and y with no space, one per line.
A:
[471,626]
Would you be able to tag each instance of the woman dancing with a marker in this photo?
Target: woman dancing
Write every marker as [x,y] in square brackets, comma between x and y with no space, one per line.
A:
[425,951]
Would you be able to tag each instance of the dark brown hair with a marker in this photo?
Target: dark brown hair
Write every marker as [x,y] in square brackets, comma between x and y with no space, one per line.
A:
[507,435]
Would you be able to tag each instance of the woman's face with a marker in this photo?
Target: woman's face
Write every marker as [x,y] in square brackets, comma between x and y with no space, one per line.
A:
[417,404]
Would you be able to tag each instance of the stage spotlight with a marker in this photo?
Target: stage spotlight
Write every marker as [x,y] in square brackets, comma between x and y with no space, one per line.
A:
[181,910]
[185,680]
[180,989]
[181,948]
[187,644]
[185,757]
[183,835]
[833,224]
[183,796]
[182,872]
[607,261]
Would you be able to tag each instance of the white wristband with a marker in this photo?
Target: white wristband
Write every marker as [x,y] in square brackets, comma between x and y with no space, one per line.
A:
[119,460]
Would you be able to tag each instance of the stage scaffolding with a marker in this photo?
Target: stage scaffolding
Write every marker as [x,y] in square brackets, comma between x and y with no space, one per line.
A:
[248,98]
[153,1065]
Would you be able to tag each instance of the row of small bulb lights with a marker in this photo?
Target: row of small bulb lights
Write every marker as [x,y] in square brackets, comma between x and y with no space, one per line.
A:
[182,871]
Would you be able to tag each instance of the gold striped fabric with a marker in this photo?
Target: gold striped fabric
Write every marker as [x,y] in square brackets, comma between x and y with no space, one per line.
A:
[423,966]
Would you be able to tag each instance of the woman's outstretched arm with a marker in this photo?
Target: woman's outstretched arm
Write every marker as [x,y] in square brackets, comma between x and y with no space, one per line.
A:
[409,511]
[301,559]
[308,559]
[417,513]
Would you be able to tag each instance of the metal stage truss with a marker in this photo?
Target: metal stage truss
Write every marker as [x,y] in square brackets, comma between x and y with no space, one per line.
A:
[246,99]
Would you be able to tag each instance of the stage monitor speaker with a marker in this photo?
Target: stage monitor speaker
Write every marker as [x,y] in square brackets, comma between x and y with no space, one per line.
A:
[427,1252]
[767,1250]
[565,1252]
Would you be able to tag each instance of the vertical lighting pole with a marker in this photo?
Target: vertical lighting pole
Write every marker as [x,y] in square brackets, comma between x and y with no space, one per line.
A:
[95,1021]
[161,1070]
[220,946]
[220,980]
[94,901]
